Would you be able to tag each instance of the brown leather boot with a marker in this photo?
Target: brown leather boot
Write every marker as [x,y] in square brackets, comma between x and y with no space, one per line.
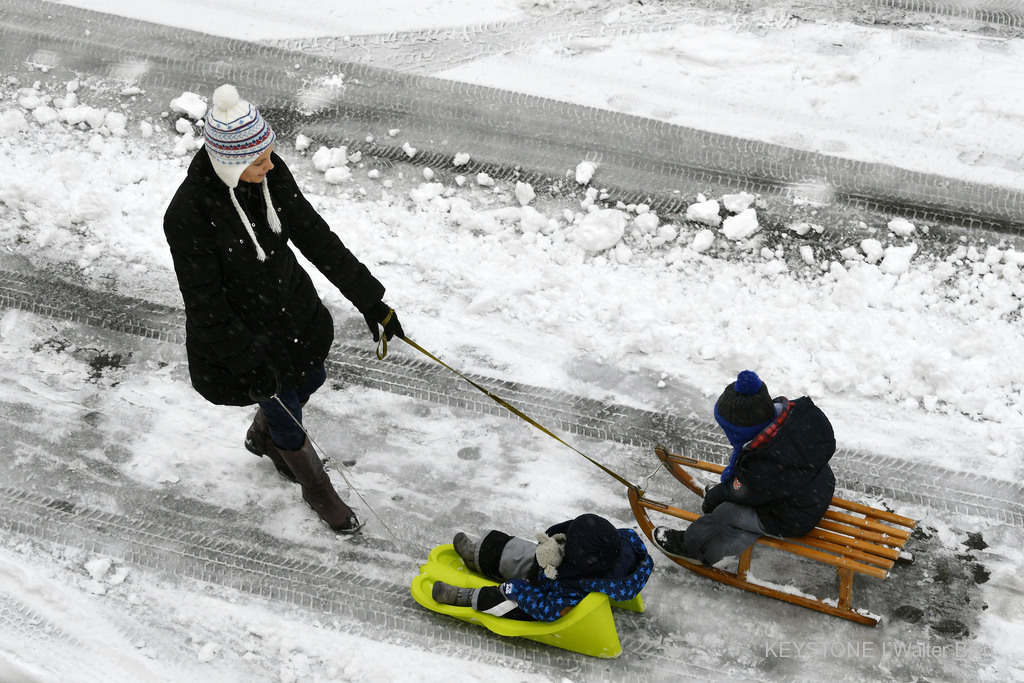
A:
[317,490]
[258,441]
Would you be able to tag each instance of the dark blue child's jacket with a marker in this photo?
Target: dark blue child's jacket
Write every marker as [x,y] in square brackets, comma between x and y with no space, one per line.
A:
[547,599]
[783,473]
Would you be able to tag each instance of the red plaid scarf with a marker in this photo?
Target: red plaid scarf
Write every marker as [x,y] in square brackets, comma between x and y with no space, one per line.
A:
[769,432]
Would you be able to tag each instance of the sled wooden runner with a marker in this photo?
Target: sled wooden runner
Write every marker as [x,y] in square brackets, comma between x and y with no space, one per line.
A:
[852,537]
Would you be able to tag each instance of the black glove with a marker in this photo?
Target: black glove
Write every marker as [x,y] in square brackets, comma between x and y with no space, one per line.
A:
[713,497]
[265,383]
[376,314]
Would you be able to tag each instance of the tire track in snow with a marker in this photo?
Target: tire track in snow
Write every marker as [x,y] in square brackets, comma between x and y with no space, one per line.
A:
[383,610]
[508,135]
[641,160]
[428,51]
[943,491]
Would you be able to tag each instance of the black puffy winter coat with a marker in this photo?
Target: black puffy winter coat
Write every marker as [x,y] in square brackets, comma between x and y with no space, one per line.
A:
[243,314]
[784,473]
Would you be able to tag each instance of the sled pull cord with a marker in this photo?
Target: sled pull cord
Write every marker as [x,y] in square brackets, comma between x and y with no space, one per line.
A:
[382,345]
[340,468]
[505,404]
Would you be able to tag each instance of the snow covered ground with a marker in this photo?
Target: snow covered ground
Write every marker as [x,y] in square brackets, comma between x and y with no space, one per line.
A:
[909,350]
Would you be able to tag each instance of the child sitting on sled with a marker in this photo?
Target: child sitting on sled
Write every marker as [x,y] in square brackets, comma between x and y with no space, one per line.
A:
[543,580]
[778,481]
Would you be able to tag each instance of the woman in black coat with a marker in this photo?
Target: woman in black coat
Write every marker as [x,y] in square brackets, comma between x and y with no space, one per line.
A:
[256,330]
[778,481]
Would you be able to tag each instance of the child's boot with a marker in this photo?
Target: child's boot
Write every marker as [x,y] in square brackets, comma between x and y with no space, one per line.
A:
[447,594]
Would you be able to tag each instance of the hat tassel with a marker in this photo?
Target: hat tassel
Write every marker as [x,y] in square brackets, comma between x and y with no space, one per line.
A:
[260,254]
[272,219]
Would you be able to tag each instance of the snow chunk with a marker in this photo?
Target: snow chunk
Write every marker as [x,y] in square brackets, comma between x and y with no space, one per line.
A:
[741,226]
[702,241]
[1012,257]
[897,259]
[851,254]
[96,118]
[873,250]
[705,212]
[327,158]
[44,115]
[667,233]
[119,576]
[30,102]
[802,228]
[409,150]
[532,220]
[993,255]
[647,222]
[901,227]
[115,122]
[622,253]
[600,230]
[302,142]
[737,203]
[426,192]
[461,159]
[484,179]
[585,171]
[12,122]
[190,104]
[76,115]
[524,193]
[338,175]
[98,568]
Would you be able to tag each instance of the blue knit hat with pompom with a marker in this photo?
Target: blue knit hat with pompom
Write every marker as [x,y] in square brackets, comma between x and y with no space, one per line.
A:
[746,402]
[742,411]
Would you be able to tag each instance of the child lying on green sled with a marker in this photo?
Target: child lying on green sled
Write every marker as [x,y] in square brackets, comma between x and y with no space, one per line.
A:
[542,580]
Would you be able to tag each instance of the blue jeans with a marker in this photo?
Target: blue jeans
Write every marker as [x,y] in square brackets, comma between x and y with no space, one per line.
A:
[286,434]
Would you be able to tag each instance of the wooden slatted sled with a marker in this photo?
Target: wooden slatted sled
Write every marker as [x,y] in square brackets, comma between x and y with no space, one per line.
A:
[588,628]
[854,538]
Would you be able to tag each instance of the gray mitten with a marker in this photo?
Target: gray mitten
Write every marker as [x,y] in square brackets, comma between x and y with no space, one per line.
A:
[550,551]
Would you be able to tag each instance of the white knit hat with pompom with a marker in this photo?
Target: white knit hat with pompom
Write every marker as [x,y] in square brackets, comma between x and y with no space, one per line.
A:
[236,135]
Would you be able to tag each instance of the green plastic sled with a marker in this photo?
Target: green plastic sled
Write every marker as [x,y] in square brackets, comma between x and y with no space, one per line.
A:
[588,628]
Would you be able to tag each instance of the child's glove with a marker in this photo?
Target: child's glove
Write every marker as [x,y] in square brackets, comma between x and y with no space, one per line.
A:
[713,497]
[550,551]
